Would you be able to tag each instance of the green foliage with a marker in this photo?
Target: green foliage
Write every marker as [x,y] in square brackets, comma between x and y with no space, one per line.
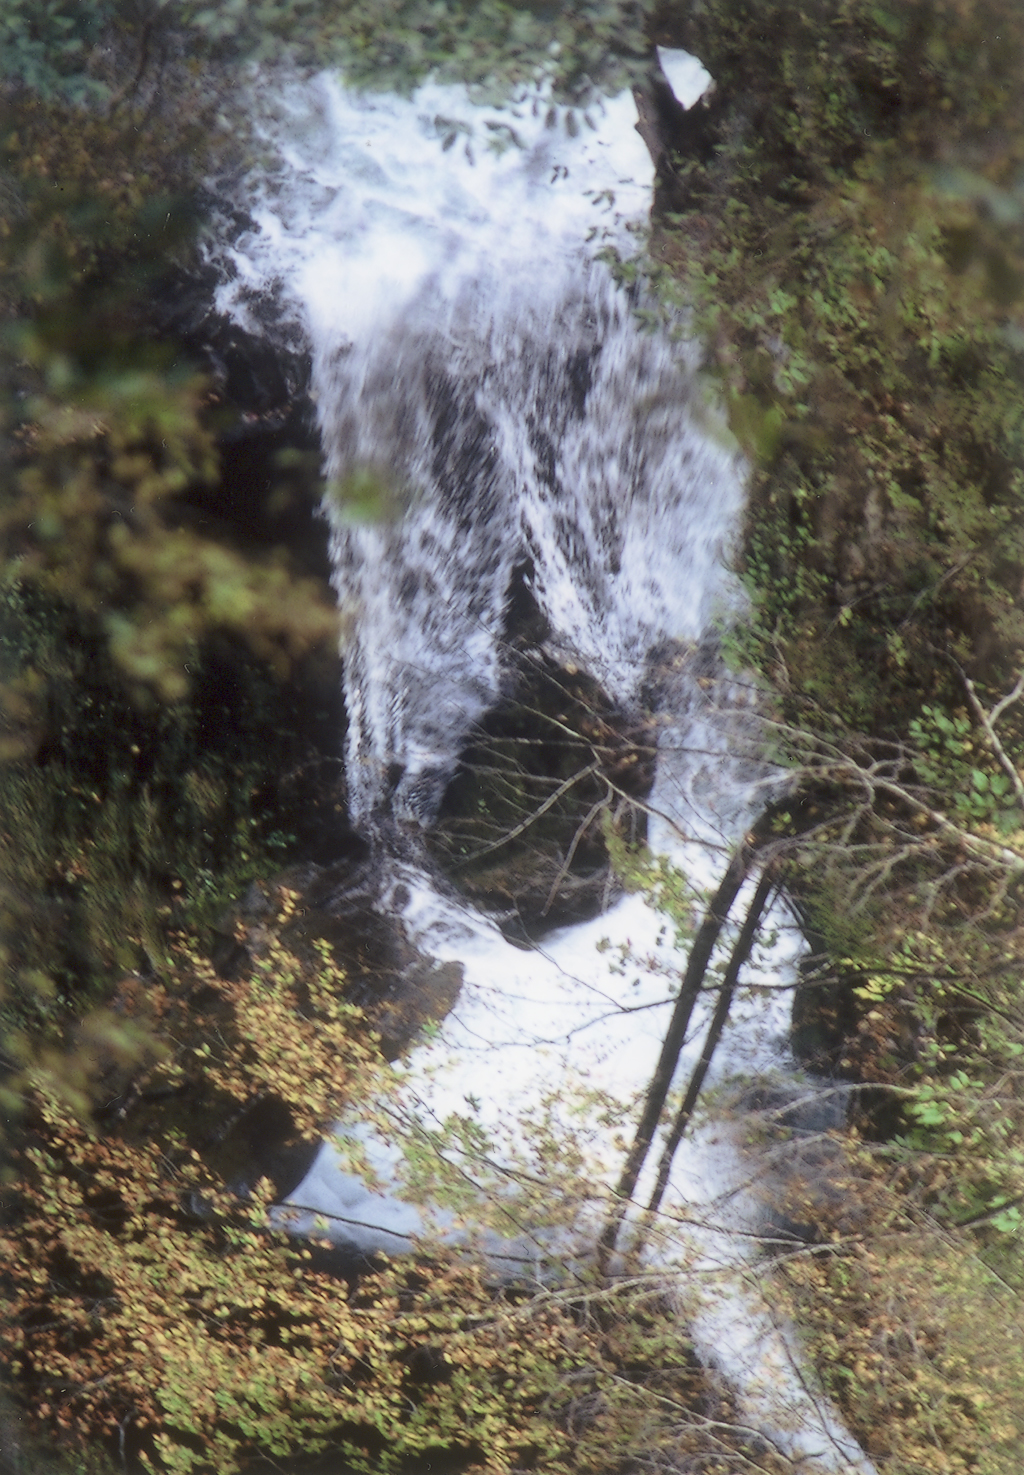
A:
[118,825]
[110,429]
[51,46]
[922,964]
[194,1323]
[117,614]
[853,249]
[44,45]
[493,46]
[912,1334]
[285,1029]
[953,759]
[853,244]
[151,1310]
[855,295]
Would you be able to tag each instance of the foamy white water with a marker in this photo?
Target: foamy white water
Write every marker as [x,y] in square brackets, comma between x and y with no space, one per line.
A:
[471,351]
[469,348]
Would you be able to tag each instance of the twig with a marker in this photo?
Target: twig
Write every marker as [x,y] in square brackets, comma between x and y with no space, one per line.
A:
[988,721]
[977,845]
[1008,700]
[570,856]
[524,825]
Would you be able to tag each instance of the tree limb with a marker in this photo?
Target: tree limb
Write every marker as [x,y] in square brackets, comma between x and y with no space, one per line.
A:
[737,958]
[700,956]
[988,721]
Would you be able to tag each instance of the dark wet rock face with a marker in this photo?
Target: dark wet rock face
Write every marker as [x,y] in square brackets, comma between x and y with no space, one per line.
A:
[261,1142]
[521,829]
[522,826]
[840,1035]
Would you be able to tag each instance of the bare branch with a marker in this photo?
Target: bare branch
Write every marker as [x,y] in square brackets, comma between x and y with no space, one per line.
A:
[988,721]
[984,849]
[524,825]
[570,854]
[1008,700]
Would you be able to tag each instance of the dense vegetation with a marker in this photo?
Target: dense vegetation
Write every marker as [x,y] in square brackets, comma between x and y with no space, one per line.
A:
[850,231]
[848,222]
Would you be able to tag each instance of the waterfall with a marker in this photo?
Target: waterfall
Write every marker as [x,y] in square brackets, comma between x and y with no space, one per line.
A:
[471,351]
[475,360]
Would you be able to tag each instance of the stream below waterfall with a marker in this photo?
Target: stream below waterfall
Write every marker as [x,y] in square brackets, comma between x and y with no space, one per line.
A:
[444,265]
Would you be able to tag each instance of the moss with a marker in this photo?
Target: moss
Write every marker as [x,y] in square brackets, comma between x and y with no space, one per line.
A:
[855,279]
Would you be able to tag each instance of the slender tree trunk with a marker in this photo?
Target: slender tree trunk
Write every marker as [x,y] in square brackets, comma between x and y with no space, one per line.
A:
[737,958]
[700,956]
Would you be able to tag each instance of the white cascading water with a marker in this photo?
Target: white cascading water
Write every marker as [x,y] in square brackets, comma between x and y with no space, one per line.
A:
[471,350]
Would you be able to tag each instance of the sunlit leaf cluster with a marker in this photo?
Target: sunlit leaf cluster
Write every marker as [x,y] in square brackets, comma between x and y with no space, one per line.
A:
[152,1301]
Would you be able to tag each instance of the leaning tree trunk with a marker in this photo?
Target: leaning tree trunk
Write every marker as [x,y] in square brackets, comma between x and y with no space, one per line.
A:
[737,958]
